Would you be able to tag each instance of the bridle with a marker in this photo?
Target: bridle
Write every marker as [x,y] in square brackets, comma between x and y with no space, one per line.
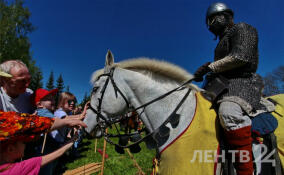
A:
[105,122]
[116,90]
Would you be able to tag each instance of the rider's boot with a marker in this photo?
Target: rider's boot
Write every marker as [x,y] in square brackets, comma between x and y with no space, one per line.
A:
[241,141]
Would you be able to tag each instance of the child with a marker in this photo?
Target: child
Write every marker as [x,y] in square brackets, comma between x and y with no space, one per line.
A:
[45,104]
[12,151]
[44,101]
[16,129]
[66,104]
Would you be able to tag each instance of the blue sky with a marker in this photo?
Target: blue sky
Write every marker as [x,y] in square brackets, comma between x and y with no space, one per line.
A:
[72,37]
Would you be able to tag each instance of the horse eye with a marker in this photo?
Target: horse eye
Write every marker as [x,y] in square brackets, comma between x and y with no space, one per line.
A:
[95,89]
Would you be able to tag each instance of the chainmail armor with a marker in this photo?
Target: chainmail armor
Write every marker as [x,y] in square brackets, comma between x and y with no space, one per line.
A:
[241,43]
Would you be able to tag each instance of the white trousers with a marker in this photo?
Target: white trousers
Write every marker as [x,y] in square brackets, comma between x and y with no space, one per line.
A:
[232,116]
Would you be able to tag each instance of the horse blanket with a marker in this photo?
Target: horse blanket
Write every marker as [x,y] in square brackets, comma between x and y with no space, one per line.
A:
[194,150]
[279,132]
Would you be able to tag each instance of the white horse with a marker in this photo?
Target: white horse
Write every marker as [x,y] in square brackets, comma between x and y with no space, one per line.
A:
[191,145]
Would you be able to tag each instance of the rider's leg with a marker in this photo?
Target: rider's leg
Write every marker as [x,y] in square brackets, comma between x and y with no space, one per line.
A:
[237,127]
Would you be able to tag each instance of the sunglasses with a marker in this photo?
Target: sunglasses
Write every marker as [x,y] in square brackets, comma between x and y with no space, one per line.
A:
[70,102]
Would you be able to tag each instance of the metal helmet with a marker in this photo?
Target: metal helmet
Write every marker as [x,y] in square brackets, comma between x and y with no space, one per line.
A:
[217,7]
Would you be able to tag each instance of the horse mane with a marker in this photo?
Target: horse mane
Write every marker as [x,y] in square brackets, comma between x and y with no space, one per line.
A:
[158,70]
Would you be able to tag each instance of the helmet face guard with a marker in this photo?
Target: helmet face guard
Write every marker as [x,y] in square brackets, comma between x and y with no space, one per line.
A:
[216,8]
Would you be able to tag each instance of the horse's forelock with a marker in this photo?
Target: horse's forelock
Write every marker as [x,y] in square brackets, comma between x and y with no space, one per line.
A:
[95,75]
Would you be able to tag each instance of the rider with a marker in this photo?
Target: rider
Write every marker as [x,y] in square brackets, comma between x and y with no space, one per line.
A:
[235,59]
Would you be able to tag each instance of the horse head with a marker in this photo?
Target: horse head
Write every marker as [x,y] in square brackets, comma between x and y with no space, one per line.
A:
[107,99]
[141,85]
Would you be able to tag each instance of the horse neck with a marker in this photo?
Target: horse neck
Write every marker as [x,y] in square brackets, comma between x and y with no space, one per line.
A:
[143,89]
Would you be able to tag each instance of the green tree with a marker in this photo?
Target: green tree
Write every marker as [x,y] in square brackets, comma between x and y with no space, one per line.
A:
[50,82]
[274,82]
[36,82]
[60,84]
[14,29]
[15,26]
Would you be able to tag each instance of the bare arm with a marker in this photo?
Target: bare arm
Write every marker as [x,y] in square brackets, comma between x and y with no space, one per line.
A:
[70,122]
[54,155]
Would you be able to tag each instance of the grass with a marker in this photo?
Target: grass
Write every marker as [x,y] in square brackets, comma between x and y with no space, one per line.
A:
[115,164]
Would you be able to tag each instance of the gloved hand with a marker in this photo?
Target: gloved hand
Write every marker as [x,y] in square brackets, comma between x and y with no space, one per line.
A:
[201,71]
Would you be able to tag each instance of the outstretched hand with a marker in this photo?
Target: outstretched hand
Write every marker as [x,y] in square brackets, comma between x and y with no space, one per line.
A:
[82,115]
[85,110]
[69,122]
[201,71]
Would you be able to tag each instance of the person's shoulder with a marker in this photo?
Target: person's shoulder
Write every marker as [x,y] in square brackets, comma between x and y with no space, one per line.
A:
[59,113]
[244,26]
[29,91]
[31,166]
[44,112]
[25,167]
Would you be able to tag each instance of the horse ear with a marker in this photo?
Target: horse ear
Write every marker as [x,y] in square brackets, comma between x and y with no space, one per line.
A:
[109,61]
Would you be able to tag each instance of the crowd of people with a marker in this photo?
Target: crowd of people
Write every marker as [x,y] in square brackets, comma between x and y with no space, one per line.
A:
[58,127]
[237,100]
